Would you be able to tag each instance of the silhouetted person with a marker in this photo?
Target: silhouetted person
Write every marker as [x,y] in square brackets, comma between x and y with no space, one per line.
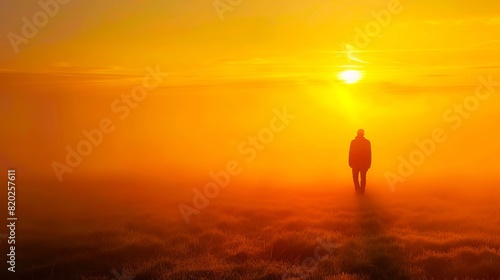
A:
[360,160]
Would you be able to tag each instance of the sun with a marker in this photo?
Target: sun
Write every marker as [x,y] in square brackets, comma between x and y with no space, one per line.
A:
[350,76]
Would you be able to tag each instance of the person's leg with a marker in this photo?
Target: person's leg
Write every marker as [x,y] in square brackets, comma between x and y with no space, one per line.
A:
[363,180]
[355,178]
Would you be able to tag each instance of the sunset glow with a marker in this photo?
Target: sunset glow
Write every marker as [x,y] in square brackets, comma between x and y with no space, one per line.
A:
[242,139]
[350,76]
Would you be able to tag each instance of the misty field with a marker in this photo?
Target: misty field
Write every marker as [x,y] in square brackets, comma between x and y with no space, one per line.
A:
[264,234]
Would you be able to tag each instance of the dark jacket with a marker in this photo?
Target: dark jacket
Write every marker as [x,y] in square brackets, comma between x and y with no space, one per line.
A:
[360,153]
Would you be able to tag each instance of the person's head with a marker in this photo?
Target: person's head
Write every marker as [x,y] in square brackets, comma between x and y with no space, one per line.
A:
[361,132]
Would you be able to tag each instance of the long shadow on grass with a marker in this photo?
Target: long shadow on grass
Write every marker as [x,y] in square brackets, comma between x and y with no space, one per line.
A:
[375,253]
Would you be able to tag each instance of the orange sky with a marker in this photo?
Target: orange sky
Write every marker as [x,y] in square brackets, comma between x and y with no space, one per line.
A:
[129,34]
[225,78]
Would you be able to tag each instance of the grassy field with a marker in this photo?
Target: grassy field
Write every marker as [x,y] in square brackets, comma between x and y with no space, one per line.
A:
[271,234]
